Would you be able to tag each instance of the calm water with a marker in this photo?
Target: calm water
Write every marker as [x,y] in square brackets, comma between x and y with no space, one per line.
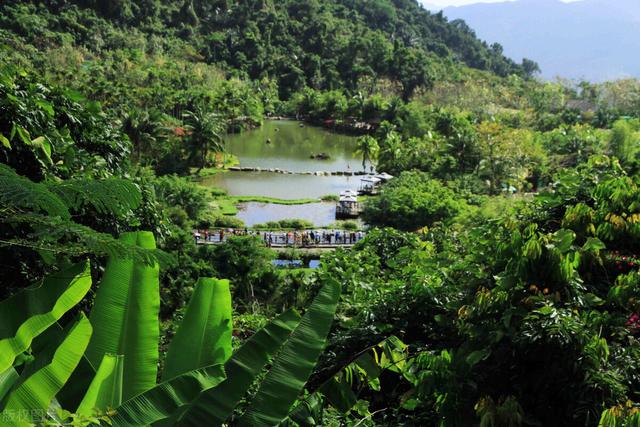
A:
[281,186]
[290,149]
[292,146]
[320,214]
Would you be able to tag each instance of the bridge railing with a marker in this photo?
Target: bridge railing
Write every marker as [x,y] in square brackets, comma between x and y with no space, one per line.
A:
[279,238]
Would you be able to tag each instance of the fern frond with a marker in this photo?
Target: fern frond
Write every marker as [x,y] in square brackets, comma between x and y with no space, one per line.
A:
[115,196]
[20,193]
[65,237]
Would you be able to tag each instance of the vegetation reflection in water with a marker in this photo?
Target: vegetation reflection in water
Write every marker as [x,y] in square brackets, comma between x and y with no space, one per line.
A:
[289,145]
[281,186]
[319,214]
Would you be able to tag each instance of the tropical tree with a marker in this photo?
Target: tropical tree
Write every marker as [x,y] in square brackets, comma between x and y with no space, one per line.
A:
[411,201]
[367,146]
[622,144]
[205,129]
[143,129]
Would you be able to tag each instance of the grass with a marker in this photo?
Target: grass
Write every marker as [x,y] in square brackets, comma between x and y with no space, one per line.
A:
[263,199]
[284,271]
[227,204]
[330,198]
[205,172]
[228,160]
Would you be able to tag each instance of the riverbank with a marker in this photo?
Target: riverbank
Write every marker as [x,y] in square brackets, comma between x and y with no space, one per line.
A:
[343,126]
[228,161]
[228,204]
[287,172]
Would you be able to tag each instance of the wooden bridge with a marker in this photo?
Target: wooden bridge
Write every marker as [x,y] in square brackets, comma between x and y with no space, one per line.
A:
[278,239]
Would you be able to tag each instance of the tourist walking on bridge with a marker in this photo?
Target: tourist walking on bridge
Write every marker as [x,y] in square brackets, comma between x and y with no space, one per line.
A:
[305,238]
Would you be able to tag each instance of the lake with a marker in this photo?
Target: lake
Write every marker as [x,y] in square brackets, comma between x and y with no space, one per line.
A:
[320,214]
[290,149]
[281,186]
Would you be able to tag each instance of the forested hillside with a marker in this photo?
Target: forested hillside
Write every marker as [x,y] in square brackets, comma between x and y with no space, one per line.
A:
[495,276]
[324,44]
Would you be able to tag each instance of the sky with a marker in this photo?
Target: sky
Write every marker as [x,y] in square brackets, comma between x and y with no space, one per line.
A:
[445,3]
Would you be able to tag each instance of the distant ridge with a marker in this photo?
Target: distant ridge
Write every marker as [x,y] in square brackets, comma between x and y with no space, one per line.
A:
[592,39]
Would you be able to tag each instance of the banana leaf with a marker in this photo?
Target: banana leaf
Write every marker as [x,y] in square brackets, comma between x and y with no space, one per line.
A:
[125,316]
[38,389]
[105,391]
[204,336]
[167,398]
[76,387]
[339,394]
[7,380]
[29,313]
[214,406]
[307,413]
[294,363]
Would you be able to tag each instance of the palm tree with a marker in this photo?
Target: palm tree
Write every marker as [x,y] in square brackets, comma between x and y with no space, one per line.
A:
[204,133]
[143,129]
[358,104]
[367,146]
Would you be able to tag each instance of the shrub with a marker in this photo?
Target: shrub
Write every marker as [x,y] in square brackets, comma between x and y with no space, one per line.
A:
[410,202]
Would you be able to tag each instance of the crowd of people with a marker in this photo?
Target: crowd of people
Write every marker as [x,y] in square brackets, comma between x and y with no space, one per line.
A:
[302,238]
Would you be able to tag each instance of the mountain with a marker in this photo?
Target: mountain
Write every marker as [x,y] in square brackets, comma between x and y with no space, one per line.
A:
[324,44]
[594,40]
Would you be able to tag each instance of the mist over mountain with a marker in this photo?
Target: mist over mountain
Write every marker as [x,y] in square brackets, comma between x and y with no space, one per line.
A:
[589,39]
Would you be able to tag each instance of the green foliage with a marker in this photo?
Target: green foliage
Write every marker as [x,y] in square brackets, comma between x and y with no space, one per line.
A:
[412,201]
[205,329]
[623,143]
[32,311]
[105,390]
[39,385]
[247,263]
[242,370]
[173,192]
[295,362]
[124,328]
[541,288]
[204,135]
[58,353]
[368,148]
[623,415]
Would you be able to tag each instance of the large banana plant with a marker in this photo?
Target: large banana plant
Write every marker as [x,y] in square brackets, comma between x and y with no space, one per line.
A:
[125,316]
[107,364]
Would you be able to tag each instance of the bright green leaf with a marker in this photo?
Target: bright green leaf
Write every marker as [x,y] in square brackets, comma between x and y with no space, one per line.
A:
[105,390]
[38,390]
[46,106]
[294,363]
[204,336]
[5,142]
[167,398]
[213,407]
[125,314]
[30,312]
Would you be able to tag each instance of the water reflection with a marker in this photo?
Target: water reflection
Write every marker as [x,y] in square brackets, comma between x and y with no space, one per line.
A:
[285,263]
[281,186]
[284,144]
[320,214]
